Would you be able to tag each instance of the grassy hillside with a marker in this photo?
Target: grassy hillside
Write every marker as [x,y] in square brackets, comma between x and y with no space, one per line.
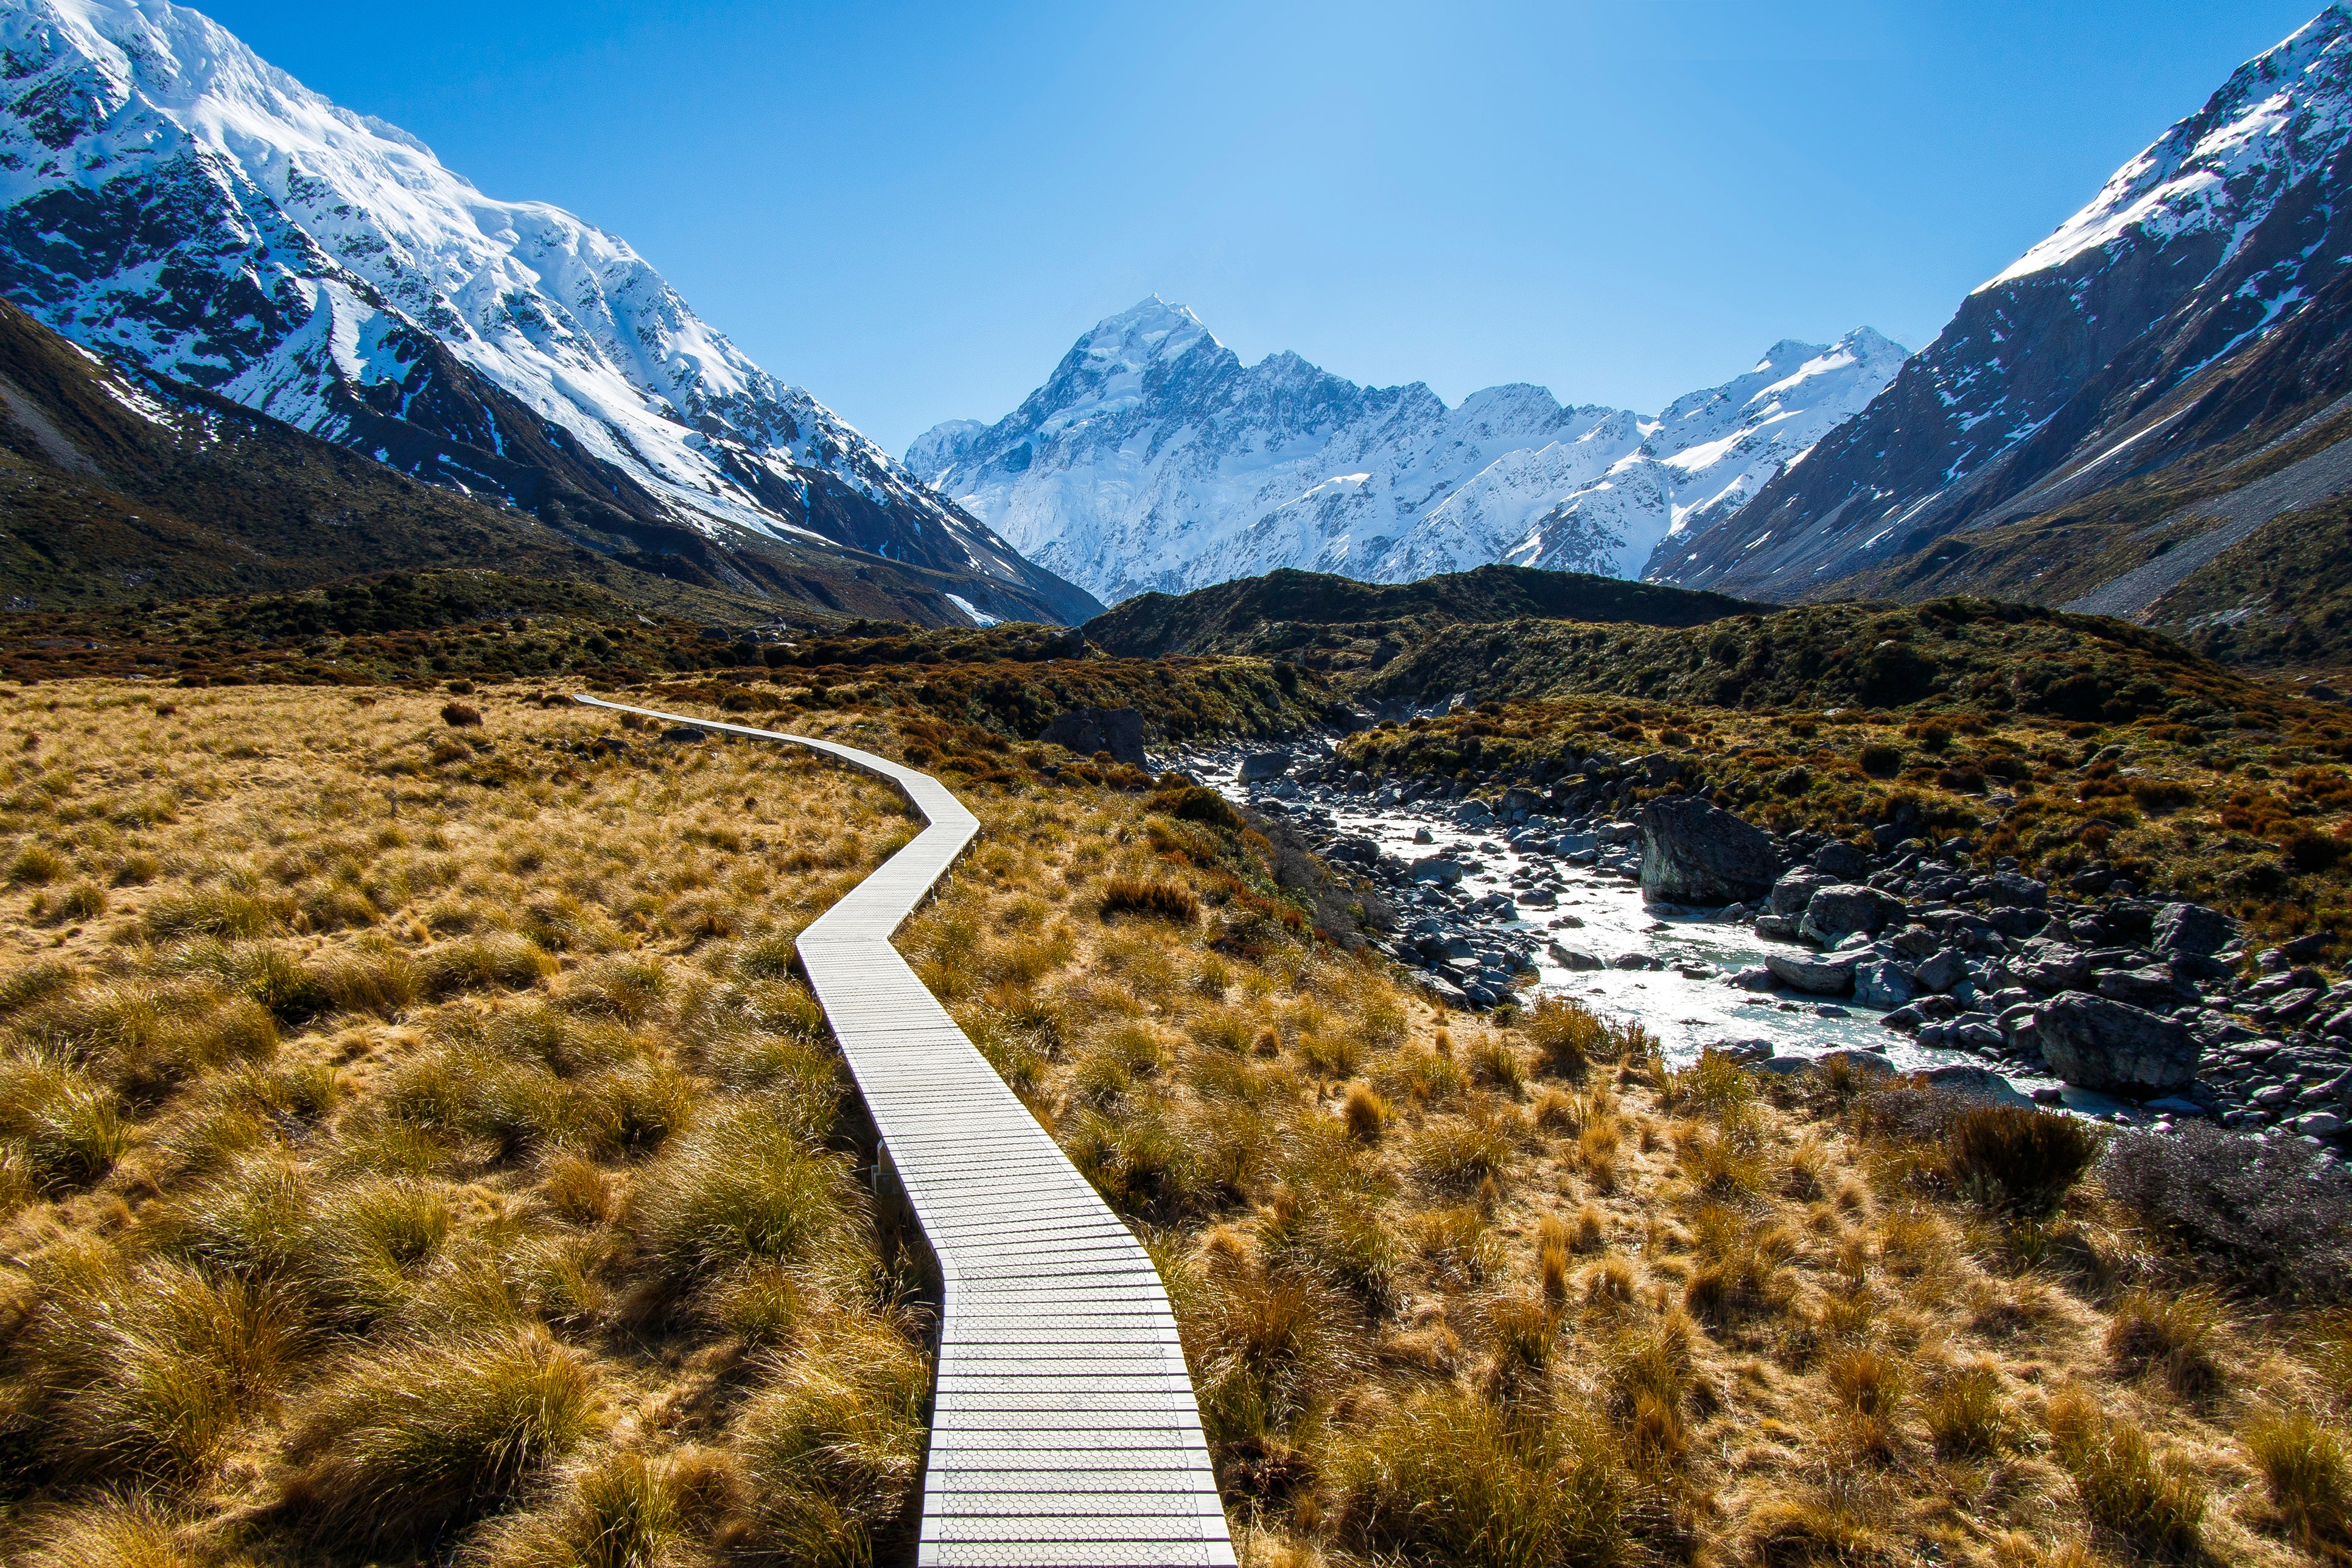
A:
[2279,599]
[2247,807]
[431,629]
[1954,653]
[1337,623]
[417,1149]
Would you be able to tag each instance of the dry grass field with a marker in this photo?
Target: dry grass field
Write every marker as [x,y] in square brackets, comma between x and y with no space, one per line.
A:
[414,1147]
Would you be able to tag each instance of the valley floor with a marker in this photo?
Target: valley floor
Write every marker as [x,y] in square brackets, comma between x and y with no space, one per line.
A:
[416,1146]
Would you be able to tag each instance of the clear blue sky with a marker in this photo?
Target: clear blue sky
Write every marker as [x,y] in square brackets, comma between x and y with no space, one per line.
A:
[912,209]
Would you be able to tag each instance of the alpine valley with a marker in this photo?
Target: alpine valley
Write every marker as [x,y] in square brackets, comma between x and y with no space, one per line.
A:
[169,200]
[1152,459]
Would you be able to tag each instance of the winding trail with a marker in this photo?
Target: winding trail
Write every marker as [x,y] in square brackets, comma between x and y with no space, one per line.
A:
[1065,1433]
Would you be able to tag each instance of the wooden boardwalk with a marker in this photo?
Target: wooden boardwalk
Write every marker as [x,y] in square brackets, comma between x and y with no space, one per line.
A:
[1065,1433]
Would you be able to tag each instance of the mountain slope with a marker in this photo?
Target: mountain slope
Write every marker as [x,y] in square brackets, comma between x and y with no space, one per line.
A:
[2106,353]
[1152,459]
[120,487]
[166,195]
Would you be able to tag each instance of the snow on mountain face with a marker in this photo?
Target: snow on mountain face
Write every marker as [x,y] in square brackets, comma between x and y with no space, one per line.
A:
[2231,221]
[166,195]
[1152,459]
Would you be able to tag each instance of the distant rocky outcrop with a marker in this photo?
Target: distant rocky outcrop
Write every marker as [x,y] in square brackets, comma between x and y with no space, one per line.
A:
[1085,731]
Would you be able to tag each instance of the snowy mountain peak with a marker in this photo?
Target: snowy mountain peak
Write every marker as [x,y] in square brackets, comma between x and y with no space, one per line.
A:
[1143,464]
[167,195]
[2282,115]
[1150,330]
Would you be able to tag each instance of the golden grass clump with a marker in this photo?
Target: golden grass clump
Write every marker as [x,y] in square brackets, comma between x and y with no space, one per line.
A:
[2125,1490]
[418,1431]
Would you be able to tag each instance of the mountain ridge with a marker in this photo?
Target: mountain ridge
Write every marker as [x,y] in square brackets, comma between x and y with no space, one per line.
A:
[167,195]
[2067,372]
[1151,458]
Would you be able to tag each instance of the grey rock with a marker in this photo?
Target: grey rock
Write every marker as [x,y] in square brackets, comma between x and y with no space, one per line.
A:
[1881,983]
[1819,976]
[1776,927]
[1438,868]
[1793,893]
[2318,1124]
[1260,766]
[1942,971]
[1843,908]
[1085,731]
[1571,958]
[1975,1083]
[1841,861]
[1613,833]
[2191,928]
[1693,853]
[2048,965]
[2152,987]
[1867,1062]
[2011,890]
[2110,1045]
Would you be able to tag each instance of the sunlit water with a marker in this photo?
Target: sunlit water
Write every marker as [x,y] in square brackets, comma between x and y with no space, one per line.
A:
[1687,1013]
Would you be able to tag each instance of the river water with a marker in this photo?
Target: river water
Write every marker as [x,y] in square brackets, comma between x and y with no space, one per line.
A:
[1689,1004]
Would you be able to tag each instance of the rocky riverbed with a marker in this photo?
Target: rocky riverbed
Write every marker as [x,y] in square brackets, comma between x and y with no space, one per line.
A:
[1715,934]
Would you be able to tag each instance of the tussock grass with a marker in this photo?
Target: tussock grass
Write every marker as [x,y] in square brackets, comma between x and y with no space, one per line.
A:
[365,1132]
[2302,1463]
[1447,1479]
[832,1448]
[748,1189]
[421,1431]
[2150,1507]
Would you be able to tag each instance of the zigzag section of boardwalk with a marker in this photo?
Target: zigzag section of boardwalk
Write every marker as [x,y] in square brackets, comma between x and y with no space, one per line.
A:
[1065,1433]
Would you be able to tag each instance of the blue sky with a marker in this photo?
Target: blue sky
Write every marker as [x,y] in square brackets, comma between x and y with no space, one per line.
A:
[913,209]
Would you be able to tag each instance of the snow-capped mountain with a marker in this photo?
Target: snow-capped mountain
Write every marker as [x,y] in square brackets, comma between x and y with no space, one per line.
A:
[167,195]
[2054,377]
[1153,458]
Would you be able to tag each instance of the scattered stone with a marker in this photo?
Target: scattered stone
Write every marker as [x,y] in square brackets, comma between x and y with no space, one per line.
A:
[2115,1048]
[1259,767]
[1818,976]
[1975,1083]
[1793,893]
[1571,958]
[2151,987]
[1860,1061]
[1442,869]
[1941,970]
[1694,853]
[2191,928]
[1841,861]
[1881,983]
[2048,965]
[1839,911]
